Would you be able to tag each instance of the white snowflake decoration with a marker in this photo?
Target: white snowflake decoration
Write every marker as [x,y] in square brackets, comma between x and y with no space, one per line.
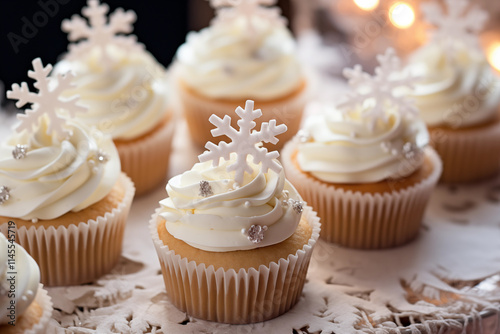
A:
[230,10]
[460,24]
[47,101]
[243,142]
[100,34]
[379,89]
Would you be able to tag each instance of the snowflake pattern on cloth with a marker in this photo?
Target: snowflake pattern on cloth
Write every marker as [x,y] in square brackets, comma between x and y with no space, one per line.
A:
[462,23]
[244,142]
[100,34]
[378,90]
[46,102]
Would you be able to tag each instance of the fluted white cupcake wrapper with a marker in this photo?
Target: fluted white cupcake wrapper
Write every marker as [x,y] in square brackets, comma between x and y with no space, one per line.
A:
[468,155]
[78,253]
[45,302]
[236,297]
[198,109]
[146,160]
[364,220]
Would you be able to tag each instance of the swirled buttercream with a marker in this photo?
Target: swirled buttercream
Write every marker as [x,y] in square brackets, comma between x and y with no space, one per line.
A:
[125,101]
[57,175]
[458,91]
[23,287]
[229,62]
[215,222]
[341,148]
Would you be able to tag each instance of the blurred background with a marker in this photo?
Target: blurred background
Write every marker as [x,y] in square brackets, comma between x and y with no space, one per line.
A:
[331,34]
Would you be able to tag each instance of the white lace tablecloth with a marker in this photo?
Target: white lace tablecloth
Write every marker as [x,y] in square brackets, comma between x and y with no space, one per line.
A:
[455,259]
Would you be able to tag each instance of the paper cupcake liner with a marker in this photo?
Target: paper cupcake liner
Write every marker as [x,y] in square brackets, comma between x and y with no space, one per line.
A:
[234,297]
[468,155]
[198,109]
[78,254]
[45,302]
[364,220]
[146,160]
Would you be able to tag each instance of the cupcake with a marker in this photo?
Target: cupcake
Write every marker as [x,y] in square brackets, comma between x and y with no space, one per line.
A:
[61,186]
[233,237]
[458,95]
[246,53]
[125,89]
[364,165]
[25,306]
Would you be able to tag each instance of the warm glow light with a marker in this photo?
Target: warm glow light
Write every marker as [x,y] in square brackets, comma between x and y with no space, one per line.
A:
[366,4]
[401,15]
[494,56]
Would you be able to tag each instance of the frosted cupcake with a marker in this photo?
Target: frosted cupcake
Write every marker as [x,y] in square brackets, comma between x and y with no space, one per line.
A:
[459,95]
[25,306]
[125,89]
[234,238]
[364,166]
[60,184]
[246,53]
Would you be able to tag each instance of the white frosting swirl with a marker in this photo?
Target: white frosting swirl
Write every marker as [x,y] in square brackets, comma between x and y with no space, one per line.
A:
[125,101]
[25,281]
[458,91]
[57,176]
[227,61]
[345,149]
[215,223]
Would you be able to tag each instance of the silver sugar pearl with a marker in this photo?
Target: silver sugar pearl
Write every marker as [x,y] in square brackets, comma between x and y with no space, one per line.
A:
[248,204]
[34,220]
[205,189]
[4,194]
[297,206]
[256,233]
[19,152]
[102,157]
[303,136]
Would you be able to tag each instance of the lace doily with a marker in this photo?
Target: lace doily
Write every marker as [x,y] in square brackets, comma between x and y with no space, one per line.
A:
[446,281]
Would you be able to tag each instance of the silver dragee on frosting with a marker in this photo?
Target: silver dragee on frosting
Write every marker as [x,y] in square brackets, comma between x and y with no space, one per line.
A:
[458,91]
[27,279]
[57,175]
[225,61]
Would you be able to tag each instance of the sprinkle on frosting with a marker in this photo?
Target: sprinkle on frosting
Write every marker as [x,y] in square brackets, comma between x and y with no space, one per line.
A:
[244,142]
[374,94]
[205,189]
[255,233]
[4,194]
[100,34]
[462,23]
[47,101]
[20,151]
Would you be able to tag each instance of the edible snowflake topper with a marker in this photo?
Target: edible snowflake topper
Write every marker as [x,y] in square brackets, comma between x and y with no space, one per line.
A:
[100,33]
[230,10]
[243,142]
[46,102]
[378,90]
[462,23]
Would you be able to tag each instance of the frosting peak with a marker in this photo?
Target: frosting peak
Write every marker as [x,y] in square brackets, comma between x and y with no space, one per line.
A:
[56,175]
[341,148]
[226,61]
[220,220]
[458,91]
